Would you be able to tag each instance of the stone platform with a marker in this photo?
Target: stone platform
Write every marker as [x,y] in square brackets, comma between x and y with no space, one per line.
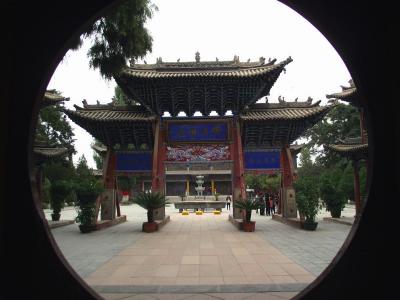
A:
[55,224]
[295,222]
[101,224]
[200,204]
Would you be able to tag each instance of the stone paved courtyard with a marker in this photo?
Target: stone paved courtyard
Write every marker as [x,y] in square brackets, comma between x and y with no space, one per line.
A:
[199,256]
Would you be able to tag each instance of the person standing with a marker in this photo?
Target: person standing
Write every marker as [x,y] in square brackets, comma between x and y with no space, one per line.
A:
[271,205]
[228,202]
[267,207]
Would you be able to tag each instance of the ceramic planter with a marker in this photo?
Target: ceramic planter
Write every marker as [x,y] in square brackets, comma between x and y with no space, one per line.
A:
[309,225]
[335,213]
[149,227]
[87,228]
[249,226]
[55,217]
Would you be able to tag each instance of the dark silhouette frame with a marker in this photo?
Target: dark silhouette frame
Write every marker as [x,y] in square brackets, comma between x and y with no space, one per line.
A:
[37,35]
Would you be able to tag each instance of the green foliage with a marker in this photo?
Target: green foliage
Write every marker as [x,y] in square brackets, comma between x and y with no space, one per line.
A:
[119,36]
[46,193]
[59,174]
[331,192]
[125,183]
[341,122]
[307,198]
[86,213]
[271,183]
[56,170]
[247,205]
[346,181]
[96,157]
[119,96]
[82,168]
[150,202]
[59,191]
[87,187]
[54,129]
[263,182]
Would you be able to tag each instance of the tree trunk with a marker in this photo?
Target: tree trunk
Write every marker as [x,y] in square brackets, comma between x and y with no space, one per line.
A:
[150,215]
[248,216]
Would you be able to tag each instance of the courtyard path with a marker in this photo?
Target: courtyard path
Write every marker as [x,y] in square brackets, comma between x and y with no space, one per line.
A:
[199,255]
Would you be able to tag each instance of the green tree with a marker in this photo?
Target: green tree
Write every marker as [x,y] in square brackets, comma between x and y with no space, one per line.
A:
[341,122]
[82,169]
[120,97]
[54,129]
[118,36]
[307,198]
[98,159]
[332,193]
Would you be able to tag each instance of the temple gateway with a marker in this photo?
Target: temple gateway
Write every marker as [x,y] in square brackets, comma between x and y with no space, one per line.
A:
[222,134]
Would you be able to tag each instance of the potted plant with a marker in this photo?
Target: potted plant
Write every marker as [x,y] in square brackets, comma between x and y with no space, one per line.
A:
[247,206]
[125,184]
[150,202]
[59,190]
[332,195]
[87,190]
[307,201]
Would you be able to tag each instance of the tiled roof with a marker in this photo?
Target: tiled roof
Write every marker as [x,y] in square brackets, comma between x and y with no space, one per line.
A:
[51,97]
[349,149]
[351,141]
[108,115]
[285,113]
[203,69]
[295,149]
[49,152]
[100,149]
[345,94]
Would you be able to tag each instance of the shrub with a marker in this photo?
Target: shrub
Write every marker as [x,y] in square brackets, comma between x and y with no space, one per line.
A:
[247,205]
[332,195]
[307,198]
[150,202]
[59,190]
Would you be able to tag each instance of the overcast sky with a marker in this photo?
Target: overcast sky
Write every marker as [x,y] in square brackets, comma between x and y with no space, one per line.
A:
[222,29]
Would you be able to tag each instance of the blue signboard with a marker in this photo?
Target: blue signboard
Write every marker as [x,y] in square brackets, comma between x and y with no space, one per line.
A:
[262,160]
[141,161]
[197,132]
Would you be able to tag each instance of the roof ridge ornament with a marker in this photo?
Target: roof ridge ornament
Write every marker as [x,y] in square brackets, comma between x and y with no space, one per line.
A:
[281,99]
[309,100]
[236,59]
[262,60]
[197,56]
[159,60]
[131,62]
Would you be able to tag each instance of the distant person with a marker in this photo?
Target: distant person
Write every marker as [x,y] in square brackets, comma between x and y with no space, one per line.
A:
[228,202]
[261,203]
[256,201]
[267,206]
[271,205]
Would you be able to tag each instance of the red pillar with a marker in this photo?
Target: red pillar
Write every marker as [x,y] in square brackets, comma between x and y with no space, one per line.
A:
[287,167]
[108,201]
[288,200]
[239,186]
[159,152]
[158,171]
[239,164]
[357,194]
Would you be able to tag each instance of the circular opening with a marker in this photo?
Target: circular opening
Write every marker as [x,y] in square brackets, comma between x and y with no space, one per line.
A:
[270,96]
